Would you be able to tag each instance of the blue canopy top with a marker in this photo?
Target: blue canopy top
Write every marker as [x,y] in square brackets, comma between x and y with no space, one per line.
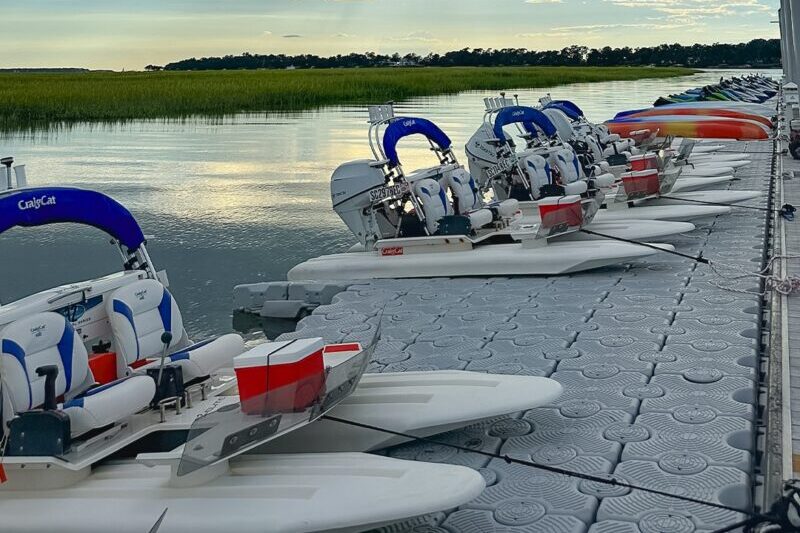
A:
[529,116]
[631,112]
[403,127]
[49,205]
[569,108]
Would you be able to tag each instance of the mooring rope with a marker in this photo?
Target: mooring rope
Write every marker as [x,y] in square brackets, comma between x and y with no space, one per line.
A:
[753,517]
[787,285]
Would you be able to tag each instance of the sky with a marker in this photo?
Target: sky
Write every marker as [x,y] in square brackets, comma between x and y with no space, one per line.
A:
[116,34]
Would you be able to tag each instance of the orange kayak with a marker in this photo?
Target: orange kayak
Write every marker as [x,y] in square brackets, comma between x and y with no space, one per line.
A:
[700,127]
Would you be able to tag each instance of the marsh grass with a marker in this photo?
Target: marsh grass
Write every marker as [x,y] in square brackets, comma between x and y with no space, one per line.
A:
[32,101]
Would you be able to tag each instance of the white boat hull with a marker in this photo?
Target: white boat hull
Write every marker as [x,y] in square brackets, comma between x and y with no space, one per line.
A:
[275,493]
[417,403]
[722,197]
[634,229]
[713,161]
[696,184]
[705,171]
[678,212]
[487,260]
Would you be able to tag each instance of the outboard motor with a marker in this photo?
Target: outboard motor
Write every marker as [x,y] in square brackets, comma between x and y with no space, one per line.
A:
[482,156]
[355,186]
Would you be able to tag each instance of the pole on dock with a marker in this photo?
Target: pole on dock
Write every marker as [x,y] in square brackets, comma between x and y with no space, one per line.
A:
[789,17]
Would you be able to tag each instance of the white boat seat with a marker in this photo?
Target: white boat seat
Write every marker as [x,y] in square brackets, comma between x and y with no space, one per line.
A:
[435,203]
[605,180]
[566,161]
[49,339]
[594,146]
[141,312]
[480,218]
[506,208]
[206,357]
[109,403]
[464,190]
[577,187]
[539,173]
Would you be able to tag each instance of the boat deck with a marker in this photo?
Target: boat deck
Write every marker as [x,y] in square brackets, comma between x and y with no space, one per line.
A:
[659,362]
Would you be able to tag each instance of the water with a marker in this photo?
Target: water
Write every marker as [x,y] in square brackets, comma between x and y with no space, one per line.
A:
[240,200]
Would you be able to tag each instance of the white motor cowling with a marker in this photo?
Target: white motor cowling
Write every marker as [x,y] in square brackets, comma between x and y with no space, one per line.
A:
[481,155]
[351,187]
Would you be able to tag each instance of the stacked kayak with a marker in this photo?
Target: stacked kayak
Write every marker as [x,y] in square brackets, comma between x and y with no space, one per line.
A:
[705,118]
[746,89]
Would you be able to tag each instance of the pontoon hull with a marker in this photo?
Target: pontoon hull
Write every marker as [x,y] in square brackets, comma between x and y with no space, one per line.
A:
[696,184]
[488,260]
[258,494]
[417,403]
[721,197]
[634,229]
[680,211]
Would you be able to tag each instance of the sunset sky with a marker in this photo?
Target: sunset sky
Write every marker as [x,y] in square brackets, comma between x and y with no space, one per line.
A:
[111,34]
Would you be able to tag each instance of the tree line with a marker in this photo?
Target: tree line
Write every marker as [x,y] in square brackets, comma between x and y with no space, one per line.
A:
[756,53]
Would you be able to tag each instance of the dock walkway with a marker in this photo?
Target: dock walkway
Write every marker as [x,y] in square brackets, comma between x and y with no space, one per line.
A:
[659,362]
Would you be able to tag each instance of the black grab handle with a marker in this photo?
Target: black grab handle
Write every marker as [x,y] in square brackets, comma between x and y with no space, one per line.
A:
[50,372]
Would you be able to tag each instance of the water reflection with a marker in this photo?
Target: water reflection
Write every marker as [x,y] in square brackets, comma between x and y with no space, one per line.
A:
[235,200]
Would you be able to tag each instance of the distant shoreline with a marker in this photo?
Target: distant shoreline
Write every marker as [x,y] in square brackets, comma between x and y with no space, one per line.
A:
[41,100]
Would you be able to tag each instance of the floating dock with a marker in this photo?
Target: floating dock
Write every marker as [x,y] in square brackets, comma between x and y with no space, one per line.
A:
[666,367]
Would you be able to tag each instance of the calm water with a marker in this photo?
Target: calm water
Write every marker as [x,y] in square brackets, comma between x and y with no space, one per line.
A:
[235,201]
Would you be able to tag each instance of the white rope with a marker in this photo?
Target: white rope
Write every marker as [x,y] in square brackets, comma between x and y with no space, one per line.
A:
[786,285]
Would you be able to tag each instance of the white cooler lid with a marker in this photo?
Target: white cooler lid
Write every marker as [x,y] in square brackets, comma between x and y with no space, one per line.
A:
[278,353]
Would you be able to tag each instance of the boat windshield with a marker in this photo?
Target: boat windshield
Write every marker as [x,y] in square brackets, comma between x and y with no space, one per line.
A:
[274,401]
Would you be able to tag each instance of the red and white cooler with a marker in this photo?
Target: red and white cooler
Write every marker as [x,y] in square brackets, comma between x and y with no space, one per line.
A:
[644,162]
[641,183]
[559,210]
[280,377]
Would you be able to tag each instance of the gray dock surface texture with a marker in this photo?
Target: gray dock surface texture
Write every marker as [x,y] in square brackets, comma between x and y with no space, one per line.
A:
[658,363]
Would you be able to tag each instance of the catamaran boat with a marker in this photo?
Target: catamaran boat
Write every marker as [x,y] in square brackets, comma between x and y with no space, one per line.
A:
[434,221]
[110,416]
[548,162]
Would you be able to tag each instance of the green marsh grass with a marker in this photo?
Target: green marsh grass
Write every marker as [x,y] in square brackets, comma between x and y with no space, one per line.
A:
[30,101]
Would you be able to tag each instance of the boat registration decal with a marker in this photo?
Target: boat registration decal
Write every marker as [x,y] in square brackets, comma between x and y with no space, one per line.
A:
[392,250]
[391,191]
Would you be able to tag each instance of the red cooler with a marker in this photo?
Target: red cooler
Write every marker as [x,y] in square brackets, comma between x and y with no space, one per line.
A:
[557,210]
[640,184]
[280,377]
[644,162]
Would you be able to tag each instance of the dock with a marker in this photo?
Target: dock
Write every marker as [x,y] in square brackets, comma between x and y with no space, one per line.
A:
[666,367]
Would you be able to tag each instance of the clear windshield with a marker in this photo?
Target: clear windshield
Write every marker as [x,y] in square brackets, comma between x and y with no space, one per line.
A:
[276,401]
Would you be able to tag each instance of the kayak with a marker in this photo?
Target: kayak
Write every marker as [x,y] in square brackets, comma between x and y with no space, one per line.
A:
[701,127]
[679,110]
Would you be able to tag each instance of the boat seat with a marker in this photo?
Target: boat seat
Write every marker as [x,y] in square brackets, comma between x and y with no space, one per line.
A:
[566,161]
[464,190]
[141,312]
[109,403]
[505,208]
[539,173]
[435,203]
[49,339]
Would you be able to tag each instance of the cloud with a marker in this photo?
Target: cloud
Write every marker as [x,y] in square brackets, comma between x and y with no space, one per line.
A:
[292,36]
[543,1]
[691,10]
[418,36]
[267,32]
[342,35]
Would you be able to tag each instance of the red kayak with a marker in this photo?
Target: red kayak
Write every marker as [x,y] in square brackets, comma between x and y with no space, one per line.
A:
[716,112]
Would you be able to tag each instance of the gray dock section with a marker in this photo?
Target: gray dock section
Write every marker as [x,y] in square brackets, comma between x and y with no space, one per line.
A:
[659,362]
